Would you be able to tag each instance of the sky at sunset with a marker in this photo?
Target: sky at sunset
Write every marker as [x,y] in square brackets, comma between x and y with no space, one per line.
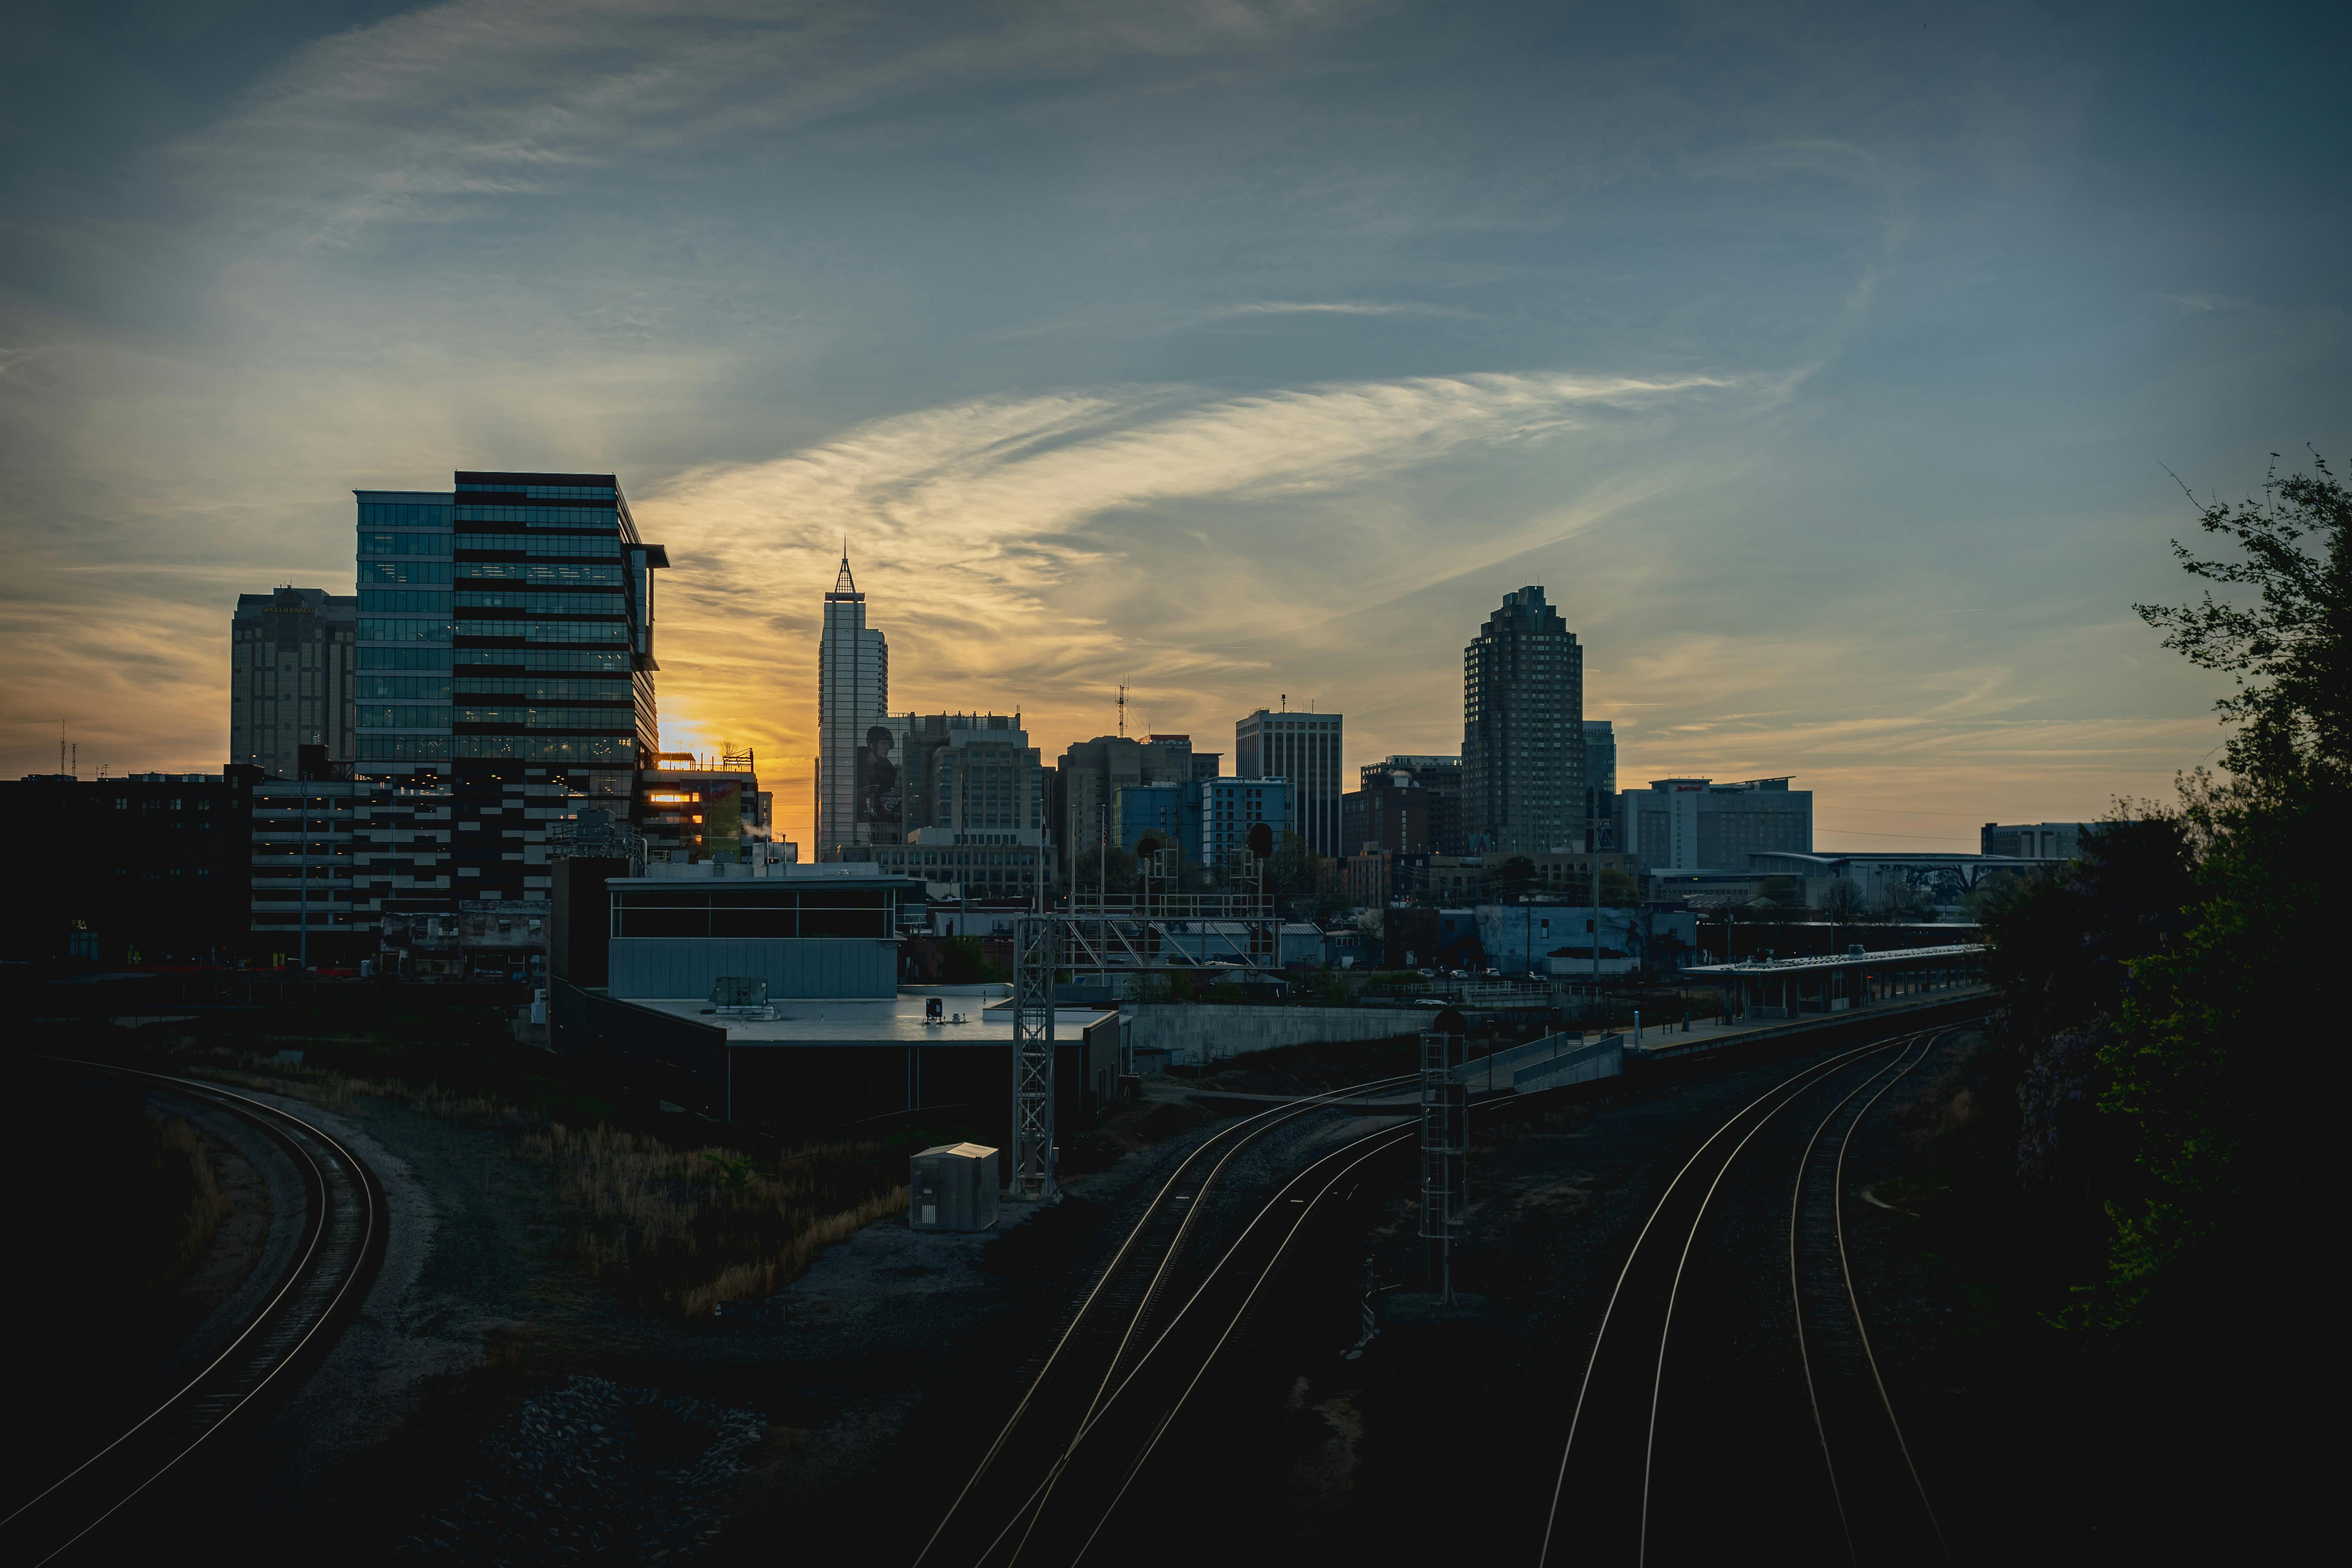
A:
[1829,366]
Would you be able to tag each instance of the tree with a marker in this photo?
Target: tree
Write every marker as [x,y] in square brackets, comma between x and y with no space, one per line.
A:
[1088,866]
[2061,945]
[1300,877]
[1842,901]
[2192,1074]
[962,961]
[2291,653]
[1516,876]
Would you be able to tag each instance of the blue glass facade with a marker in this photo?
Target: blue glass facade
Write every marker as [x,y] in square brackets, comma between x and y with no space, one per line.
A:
[1208,819]
[505,644]
[404,537]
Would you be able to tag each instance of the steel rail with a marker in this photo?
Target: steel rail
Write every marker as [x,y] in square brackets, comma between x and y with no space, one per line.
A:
[1151,1296]
[1241,1135]
[1390,1138]
[1387,1138]
[1037,1496]
[299,1277]
[1854,1299]
[1796,1291]
[1790,1087]
[1142,1313]
[1674,1293]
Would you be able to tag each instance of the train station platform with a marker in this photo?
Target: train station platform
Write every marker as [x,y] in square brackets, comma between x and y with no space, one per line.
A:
[1700,1035]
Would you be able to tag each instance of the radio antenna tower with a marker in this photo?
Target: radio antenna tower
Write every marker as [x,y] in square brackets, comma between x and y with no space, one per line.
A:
[1122,710]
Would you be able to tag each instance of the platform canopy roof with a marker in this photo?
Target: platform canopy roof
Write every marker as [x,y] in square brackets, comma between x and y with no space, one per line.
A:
[1882,959]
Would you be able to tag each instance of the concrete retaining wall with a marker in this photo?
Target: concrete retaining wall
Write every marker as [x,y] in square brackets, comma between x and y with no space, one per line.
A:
[1198,1033]
[1604,1057]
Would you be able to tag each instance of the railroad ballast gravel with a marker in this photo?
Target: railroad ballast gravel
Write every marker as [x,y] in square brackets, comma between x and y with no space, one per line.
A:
[594,1471]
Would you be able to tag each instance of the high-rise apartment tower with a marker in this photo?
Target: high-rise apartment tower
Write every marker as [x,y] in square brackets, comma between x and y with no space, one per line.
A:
[860,797]
[1523,730]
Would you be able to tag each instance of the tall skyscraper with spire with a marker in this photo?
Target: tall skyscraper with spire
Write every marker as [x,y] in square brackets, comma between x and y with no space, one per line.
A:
[856,773]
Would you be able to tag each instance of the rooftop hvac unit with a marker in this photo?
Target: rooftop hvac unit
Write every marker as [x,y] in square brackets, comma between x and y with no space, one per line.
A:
[740,996]
[952,1186]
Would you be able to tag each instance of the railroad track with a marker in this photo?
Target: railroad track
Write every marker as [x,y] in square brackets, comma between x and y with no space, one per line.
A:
[1884,1511]
[84,1511]
[1134,1348]
[1606,1503]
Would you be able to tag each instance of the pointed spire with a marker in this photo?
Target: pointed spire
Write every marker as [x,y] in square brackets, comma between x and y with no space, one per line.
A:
[844,584]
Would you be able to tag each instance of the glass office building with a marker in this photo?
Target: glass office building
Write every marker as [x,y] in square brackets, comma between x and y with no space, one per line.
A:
[1303,749]
[505,648]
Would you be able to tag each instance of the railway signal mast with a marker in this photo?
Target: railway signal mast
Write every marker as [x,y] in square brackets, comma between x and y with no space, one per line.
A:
[1444,1145]
[1152,930]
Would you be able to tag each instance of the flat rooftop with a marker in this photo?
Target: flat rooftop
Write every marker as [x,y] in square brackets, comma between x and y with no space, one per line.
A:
[818,1021]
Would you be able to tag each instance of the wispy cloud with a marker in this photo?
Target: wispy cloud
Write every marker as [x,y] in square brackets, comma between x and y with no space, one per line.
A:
[1817,155]
[1332,308]
[969,485]
[1018,539]
[2200,304]
[418,117]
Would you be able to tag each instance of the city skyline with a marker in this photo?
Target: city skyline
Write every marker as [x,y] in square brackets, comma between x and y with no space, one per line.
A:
[1828,382]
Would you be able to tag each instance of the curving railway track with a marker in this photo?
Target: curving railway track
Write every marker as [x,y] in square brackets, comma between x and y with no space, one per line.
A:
[86,1508]
[1134,1351]
[1680,1441]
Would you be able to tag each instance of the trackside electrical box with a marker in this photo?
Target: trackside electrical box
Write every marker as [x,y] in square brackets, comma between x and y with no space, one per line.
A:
[952,1186]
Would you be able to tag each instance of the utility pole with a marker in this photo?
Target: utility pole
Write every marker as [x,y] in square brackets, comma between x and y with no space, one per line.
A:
[1444,1145]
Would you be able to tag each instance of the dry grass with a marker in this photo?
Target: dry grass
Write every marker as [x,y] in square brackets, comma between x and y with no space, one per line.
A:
[746,1281]
[177,1144]
[687,1228]
[334,1090]
[316,1085]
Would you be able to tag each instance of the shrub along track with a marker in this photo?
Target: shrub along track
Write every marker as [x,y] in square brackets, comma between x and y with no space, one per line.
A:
[97,1502]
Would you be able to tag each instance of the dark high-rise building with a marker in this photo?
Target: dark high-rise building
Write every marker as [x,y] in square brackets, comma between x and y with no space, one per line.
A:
[151,868]
[1089,776]
[290,678]
[1440,779]
[1522,730]
[1303,748]
[1390,814]
[505,647]
[1196,765]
